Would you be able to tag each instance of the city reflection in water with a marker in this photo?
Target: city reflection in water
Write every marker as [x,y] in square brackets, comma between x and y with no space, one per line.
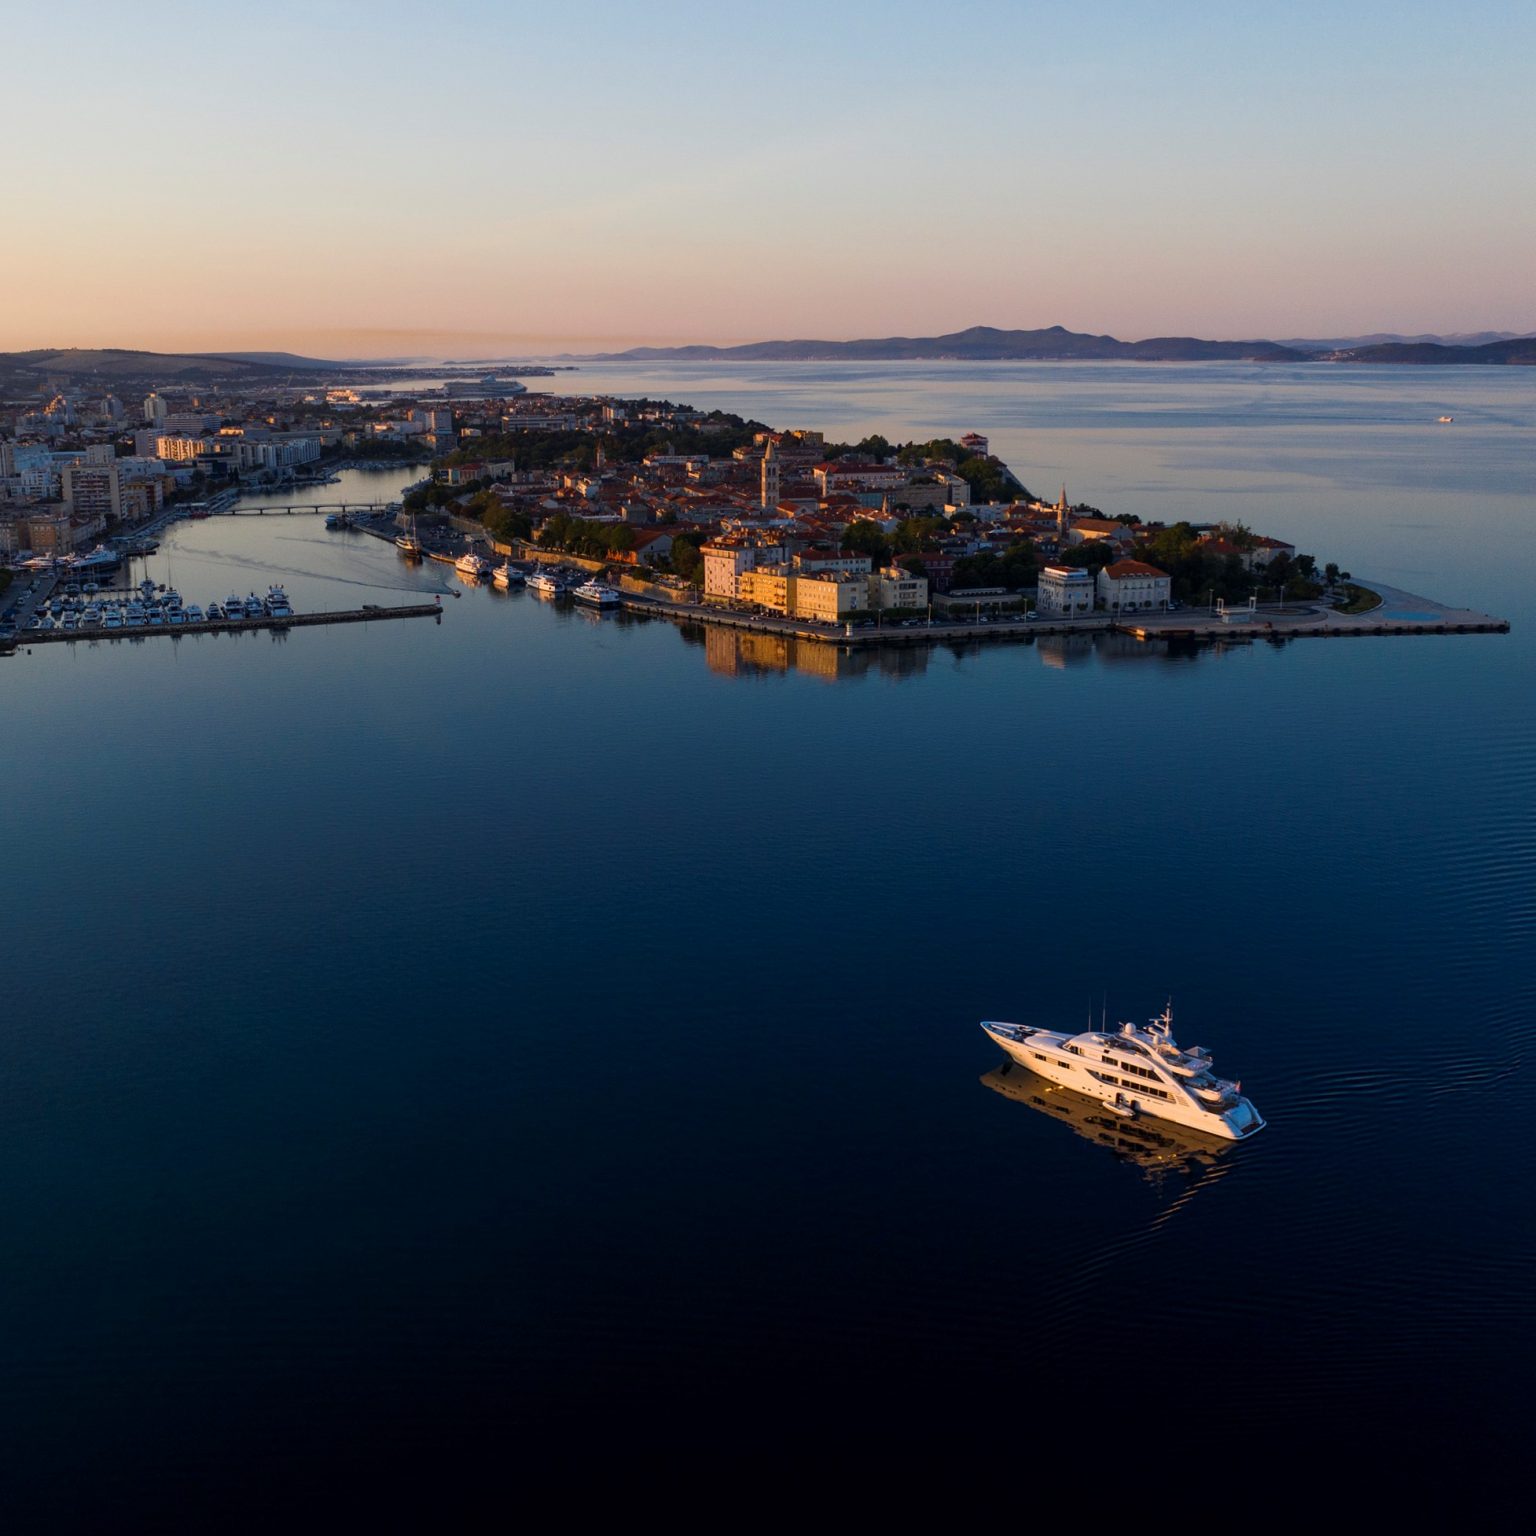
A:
[747,653]
[1156,1147]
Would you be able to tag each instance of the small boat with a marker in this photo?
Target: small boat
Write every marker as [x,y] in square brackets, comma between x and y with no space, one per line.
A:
[1445,418]
[409,542]
[507,575]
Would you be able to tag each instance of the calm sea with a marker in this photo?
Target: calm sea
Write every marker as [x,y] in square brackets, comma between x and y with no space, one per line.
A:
[429,1052]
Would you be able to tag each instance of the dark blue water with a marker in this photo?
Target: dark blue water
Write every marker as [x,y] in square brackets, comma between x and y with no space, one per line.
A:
[432,1052]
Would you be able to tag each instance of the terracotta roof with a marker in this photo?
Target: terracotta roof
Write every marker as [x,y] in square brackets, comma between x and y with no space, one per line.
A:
[1123,568]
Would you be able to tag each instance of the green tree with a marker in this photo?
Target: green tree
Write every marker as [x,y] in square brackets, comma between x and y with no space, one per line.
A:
[686,559]
[866,538]
[915,533]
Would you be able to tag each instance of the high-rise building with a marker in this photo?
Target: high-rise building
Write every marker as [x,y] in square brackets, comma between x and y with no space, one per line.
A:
[155,410]
[92,490]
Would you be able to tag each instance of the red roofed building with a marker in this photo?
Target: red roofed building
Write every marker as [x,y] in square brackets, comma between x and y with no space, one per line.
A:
[1264,550]
[1133,586]
[848,475]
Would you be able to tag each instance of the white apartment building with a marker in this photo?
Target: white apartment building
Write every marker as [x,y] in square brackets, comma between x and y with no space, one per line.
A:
[725,560]
[895,587]
[1064,591]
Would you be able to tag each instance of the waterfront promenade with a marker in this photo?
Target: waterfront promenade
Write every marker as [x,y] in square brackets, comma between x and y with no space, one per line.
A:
[1401,613]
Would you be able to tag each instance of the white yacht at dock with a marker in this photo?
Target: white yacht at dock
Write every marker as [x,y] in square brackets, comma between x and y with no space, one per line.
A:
[597,594]
[1135,1072]
[471,564]
[547,583]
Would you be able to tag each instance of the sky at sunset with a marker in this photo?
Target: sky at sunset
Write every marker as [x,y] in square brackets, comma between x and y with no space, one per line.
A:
[459,178]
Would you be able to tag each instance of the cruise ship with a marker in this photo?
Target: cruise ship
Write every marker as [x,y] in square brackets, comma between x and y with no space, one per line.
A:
[1135,1072]
[597,594]
[470,564]
[543,581]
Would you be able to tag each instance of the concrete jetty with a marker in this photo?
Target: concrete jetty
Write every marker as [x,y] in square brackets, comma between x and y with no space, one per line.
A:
[364,615]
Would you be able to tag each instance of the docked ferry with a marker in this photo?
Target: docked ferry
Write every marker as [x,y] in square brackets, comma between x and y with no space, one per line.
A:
[597,594]
[1135,1072]
[471,565]
[507,575]
[547,583]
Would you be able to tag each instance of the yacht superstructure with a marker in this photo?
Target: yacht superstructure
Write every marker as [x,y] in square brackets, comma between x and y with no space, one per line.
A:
[1135,1072]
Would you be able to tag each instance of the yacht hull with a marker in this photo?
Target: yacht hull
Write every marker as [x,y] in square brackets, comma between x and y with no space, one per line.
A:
[1047,1055]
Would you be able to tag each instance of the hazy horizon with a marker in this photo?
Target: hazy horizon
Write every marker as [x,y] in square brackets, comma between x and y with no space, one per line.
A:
[376,179]
[503,348]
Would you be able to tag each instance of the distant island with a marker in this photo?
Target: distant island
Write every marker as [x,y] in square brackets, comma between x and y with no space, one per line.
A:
[125,367]
[984,343]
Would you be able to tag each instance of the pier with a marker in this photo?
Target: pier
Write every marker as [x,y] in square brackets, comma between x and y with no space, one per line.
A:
[364,615]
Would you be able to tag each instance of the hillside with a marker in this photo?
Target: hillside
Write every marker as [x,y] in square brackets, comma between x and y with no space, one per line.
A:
[1520,352]
[121,363]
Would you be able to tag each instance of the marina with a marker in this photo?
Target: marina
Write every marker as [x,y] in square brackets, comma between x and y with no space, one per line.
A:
[89,612]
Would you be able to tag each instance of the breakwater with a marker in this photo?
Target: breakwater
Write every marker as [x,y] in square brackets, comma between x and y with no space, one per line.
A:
[364,615]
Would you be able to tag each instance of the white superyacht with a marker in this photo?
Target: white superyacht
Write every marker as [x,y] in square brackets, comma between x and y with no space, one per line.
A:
[1135,1072]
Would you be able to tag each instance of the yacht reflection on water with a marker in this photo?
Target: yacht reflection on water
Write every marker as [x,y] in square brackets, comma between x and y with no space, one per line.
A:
[1157,1147]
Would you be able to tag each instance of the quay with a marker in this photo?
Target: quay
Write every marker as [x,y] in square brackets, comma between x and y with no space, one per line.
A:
[364,615]
[1400,613]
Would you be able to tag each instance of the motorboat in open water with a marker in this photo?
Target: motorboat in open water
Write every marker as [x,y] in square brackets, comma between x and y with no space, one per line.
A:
[1135,1072]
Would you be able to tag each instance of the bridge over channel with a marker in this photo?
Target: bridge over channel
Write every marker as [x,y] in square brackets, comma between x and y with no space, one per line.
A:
[301,509]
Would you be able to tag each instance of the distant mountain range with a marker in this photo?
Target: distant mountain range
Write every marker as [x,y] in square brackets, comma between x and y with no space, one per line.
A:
[23,372]
[1056,344]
